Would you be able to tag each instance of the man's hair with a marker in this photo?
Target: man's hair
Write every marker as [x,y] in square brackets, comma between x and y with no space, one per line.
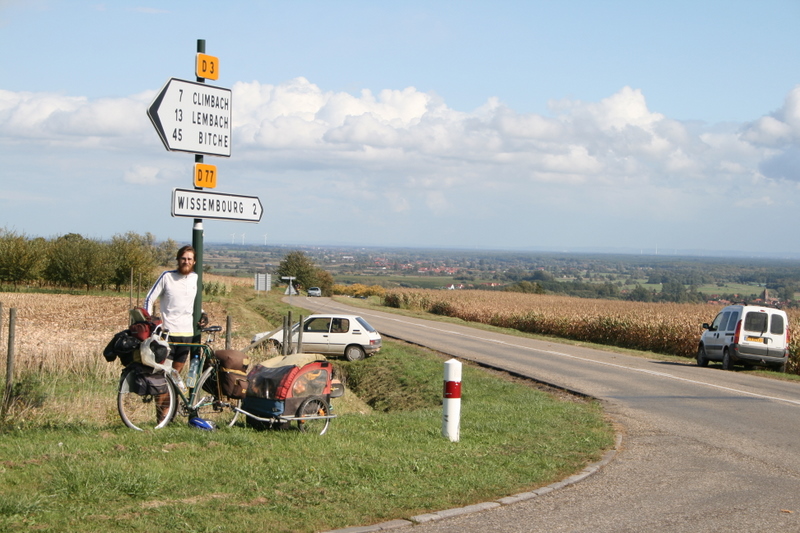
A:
[186,248]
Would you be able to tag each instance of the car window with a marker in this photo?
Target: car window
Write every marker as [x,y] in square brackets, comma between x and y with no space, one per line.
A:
[723,325]
[776,325]
[340,325]
[365,324]
[732,321]
[318,325]
[756,322]
[715,324]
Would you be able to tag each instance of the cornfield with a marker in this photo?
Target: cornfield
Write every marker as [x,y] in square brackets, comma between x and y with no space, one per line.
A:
[667,328]
[66,333]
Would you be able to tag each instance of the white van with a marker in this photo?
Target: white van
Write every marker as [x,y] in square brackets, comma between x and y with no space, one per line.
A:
[348,335]
[746,334]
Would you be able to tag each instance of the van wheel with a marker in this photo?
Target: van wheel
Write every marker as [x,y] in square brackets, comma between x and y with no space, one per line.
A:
[354,353]
[702,359]
[727,362]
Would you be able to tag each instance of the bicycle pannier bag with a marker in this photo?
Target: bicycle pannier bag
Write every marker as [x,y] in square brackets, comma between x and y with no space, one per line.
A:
[146,383]
[233,366]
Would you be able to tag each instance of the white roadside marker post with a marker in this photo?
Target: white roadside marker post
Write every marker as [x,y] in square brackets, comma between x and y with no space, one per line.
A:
[451,404]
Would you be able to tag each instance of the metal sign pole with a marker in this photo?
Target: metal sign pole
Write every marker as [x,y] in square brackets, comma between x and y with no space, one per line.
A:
[197,231]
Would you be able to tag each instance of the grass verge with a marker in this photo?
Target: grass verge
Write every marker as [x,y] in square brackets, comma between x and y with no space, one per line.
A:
[70,464]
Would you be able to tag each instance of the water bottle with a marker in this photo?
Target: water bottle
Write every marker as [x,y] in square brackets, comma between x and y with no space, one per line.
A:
[176,378]
[194,370]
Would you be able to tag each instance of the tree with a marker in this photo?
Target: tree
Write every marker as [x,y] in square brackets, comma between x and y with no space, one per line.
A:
[62,260]
[674,291]
[298,265]
[640,294]
[132,252]
[21,259]
[165,253]
[76,261]
[324,280]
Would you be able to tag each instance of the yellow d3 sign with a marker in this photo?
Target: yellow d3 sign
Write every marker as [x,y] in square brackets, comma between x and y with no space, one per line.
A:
[205,176]
[207,67]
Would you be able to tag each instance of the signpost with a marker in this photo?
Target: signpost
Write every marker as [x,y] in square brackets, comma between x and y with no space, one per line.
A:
[196,118]
[208,204]
[193,117]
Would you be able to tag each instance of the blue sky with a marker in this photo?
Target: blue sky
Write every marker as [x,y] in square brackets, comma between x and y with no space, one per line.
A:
[622,125]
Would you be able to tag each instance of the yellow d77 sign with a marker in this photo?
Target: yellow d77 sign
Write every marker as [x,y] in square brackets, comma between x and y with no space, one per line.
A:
[205,176]
[207,67]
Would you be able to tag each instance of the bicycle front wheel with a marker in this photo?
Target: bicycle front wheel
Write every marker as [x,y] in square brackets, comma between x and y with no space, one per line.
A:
[208,406]
[148,411]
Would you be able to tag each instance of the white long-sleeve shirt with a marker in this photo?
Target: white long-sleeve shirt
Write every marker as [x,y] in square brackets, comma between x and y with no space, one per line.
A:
[177,293]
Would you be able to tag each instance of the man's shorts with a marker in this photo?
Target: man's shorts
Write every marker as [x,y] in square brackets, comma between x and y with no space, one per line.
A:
[179,354]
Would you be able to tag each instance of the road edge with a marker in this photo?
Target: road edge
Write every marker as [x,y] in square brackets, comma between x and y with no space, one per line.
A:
[478,507]
[590,469]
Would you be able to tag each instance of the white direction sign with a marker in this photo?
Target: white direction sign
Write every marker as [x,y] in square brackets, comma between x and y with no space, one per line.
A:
[219,205]
[193,117]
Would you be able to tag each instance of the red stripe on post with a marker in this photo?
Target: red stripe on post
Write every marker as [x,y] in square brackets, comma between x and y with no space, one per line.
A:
[452,389]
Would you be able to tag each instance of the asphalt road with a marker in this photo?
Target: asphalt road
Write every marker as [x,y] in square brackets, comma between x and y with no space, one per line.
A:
[702,450]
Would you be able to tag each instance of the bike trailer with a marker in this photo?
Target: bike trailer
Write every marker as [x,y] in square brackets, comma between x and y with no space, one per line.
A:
[278,387]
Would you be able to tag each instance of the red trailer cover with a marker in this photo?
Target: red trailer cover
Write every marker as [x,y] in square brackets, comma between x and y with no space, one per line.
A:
[296,379]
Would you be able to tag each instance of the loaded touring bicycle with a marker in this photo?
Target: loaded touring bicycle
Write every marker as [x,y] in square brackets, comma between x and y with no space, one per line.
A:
[274,394]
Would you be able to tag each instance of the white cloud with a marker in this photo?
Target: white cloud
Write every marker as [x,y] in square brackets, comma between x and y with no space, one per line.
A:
[409,150]
[141,175]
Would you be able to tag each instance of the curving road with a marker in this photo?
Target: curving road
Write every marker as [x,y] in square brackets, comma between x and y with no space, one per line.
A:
[702,449]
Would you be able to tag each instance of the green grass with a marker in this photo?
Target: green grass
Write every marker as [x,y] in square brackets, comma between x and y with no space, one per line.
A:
[70,464]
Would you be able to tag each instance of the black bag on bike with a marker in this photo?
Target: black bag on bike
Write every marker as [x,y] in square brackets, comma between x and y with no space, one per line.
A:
[123,345]
[233,366]
[145,383]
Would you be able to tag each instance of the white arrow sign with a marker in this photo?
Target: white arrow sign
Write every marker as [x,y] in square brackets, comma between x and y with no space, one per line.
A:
[219,205]
[193,117]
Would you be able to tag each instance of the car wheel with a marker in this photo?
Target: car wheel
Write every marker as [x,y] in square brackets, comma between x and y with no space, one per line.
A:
[727,362]
[702,358]
[276,345]
[354,353]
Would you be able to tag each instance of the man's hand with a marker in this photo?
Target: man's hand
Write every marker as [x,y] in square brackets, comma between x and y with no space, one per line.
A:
[203,322]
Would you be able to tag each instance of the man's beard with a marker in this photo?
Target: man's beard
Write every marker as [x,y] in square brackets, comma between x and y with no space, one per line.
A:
[184,269]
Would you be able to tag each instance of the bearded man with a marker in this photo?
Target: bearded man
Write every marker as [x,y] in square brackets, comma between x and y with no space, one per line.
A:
[176,290]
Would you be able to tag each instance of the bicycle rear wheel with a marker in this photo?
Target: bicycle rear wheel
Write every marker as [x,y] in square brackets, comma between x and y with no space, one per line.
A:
[208,406]
[144,412]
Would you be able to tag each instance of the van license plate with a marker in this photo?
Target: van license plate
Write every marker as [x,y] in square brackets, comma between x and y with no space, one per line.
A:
[756,339]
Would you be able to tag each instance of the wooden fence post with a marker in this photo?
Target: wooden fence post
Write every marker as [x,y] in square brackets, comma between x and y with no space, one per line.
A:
[12,322]
[228,324]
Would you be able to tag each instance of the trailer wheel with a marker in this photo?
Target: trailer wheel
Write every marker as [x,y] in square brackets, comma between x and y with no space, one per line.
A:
[314,406]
